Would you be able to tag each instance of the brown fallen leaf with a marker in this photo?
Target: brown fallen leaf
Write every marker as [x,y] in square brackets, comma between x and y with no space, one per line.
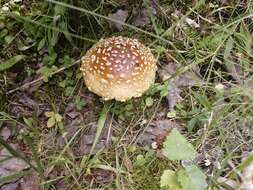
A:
[10,163]
[5,133]
[123,2]
[190,22]
[100,175]
[86,140]
[231,183]
[30,182]
[25,105]
[173,96]
[10,186]
[157,132]
[187,79]
[120,15]
[141,15]
[141,18]
[62,185]
[72,116]
[128,163]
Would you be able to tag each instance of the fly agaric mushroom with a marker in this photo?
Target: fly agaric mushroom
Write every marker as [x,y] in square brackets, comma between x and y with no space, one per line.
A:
[118,68]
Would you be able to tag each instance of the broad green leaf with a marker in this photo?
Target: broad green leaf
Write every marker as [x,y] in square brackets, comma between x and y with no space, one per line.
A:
[164,92]
[8,39]
[23,47]
[46,72]
[10,62]
[2,24]
[49,114]
[169,179]
[160,49]
[191,124]
[192,178]
[3,33]
[58,117]
[149,101]
[176,147]
[50,122]
[140,161]
[41,44]
[13,177]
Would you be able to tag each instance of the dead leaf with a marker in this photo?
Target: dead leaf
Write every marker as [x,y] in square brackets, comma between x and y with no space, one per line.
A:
[192,22]
[229,182]
[100,175]
[141,18]
[123,2]
[86,140]
[25,105]
[10,186]
[5,133]
[85,144]
[120,15]
[187,79]
[141,15]
[62,185]
[128,163]
[68,134]
[10,165]
[158,131]
[72,115]
[25,100]
[8,162]
[173,96]
[30,182]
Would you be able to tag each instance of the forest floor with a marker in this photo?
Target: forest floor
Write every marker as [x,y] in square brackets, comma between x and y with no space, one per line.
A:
[202,98]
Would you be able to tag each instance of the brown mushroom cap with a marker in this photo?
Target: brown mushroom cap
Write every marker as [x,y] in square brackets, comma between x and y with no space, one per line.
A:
[118,68]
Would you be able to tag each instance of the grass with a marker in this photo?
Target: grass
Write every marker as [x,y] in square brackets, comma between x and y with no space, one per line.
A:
[216,116]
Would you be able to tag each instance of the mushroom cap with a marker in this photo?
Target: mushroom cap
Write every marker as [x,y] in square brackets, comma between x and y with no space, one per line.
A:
[118,68]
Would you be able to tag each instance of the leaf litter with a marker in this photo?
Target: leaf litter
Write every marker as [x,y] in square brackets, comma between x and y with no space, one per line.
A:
[5,133]
[187,79]
[10,165]
[157,132]
[120,15]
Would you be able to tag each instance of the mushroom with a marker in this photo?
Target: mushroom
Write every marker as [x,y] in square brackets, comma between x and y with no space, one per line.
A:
[118,68]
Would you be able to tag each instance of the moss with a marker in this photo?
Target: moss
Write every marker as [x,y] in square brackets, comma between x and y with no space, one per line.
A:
[148,177]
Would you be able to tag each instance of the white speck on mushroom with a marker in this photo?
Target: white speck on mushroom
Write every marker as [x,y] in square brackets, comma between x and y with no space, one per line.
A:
[110,76]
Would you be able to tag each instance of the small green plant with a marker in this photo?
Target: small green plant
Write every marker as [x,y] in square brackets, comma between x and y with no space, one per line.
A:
[79,103]
[190,177]
[53,119]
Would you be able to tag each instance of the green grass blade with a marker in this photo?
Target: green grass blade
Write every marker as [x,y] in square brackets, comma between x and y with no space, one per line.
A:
[109,19]
[28,141]
[100,125]
[11,62]
[13,177]
[25,19]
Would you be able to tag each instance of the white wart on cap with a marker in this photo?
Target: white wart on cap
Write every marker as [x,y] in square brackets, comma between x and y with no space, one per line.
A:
[118,68]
